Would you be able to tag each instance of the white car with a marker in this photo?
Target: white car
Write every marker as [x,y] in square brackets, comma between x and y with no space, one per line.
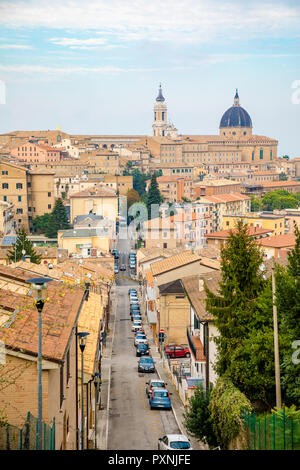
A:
[140,339]
[136,325]
[174,442]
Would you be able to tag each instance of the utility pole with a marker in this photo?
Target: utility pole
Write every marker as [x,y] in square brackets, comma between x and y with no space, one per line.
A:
[276,346]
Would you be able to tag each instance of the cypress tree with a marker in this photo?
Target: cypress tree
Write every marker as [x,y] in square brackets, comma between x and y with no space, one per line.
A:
[240,286]
[154,196]
[22,243]
[58,220]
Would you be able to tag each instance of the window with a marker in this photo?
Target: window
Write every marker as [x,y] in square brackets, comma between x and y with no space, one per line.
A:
[261,154]
[19,211]
[49,194]
[49,206]
[4,198]
[19,186]
[165,245]
[4,185]
[19,198]
[4,172]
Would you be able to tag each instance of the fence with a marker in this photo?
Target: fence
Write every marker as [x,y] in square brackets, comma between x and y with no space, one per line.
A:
[272,432]
[26,438]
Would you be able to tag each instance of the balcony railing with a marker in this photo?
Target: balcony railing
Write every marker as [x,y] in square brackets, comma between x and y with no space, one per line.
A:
[195,345]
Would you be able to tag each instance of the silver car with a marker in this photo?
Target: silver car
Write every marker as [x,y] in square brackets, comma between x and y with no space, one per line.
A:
[174,442]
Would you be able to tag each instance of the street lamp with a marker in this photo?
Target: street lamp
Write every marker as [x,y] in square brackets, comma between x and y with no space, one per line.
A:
[39,285]
[82,340]
[97,381]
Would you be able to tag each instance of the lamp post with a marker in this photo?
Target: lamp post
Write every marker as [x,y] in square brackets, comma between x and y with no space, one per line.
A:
[82,340]
[39,285]
[97,378]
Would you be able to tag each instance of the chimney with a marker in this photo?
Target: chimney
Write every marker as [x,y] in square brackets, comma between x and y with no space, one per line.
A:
[201,285]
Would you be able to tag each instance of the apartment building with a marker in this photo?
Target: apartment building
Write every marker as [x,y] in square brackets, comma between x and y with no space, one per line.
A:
[215,187]
[103,160]
[175,188]
[265,220]
[35,152]
[220,238]
[31,192]
[97,200]
[226,204]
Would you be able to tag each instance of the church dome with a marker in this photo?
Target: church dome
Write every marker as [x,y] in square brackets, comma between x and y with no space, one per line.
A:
[236,116]
[160,97]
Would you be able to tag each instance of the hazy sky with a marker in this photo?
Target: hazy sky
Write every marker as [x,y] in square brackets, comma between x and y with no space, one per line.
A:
[94,66]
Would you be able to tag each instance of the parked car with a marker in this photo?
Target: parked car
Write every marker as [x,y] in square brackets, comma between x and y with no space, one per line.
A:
[177,350]
[160,398]
[155,383]
[116,269]
[146,364]
[142,349]
[174,442]
[116,254]
[140,338]
[141,330]
[136,325]
[132,291]
[136,316]
[122,267]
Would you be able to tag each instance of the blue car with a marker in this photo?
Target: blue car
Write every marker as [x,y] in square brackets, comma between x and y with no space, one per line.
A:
[146,364]
[160,398]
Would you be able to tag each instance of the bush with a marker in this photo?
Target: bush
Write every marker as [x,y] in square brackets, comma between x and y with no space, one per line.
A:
[226,406]
[197,418]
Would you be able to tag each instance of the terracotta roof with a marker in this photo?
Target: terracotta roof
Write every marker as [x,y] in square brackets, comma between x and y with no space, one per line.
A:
[278,241]
[95,191]
[173,287]
[59,317]
[252,231]
[272,184]
[221,198]
[90,321]
[197,297]
[171,178]
[174,262]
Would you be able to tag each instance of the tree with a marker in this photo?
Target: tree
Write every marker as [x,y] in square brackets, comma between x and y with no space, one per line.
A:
[282,176]
[58,220]
[22,243]
[279,199]
[197,418]
[288,300]
[132,197]
[40,223]
[255,203]
[154,196]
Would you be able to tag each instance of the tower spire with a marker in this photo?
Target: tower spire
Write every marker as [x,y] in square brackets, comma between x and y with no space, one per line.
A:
[160,95]
[236,101]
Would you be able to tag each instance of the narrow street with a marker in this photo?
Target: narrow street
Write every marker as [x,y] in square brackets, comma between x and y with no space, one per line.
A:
[131,423]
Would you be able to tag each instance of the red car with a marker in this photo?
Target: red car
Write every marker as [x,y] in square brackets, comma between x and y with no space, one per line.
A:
[177,350]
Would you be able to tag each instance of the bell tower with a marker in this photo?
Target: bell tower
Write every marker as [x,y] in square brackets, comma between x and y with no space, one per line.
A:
[160,115]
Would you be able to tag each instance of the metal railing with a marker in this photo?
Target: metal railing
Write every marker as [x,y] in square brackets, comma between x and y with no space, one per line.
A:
[26,438]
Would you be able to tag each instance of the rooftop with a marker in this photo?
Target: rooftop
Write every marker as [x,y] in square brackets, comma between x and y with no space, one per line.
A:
[278,241]
[252,231]
[174,262]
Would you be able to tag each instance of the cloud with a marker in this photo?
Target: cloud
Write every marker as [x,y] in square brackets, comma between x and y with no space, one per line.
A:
[171,20]
[14,46]
[79,43]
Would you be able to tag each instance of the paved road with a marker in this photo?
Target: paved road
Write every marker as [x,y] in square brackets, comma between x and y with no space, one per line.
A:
[132,425]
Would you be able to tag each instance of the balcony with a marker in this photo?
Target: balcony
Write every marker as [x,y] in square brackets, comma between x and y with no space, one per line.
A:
[195,345]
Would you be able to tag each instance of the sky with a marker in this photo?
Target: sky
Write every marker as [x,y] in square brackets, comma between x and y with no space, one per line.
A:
[94,67]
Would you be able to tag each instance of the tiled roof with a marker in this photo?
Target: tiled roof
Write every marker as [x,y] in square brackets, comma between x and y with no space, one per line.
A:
[174,262]
[95,191]
[90,321]
[278,241]
[59,316]
[276,184]
[197,297]
[252,231]
[221,198]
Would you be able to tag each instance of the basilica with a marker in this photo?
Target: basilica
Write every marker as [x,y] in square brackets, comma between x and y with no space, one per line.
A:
[234,143]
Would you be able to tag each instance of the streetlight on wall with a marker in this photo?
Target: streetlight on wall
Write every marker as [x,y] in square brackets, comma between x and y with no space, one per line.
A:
[82,341]
[39,285]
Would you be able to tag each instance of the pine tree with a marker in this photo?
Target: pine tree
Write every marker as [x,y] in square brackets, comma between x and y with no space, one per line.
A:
[22,243]
[154,197]
[58,220]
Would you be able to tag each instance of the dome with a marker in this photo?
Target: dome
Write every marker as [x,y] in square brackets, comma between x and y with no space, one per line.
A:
[236,116]
[160,97]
